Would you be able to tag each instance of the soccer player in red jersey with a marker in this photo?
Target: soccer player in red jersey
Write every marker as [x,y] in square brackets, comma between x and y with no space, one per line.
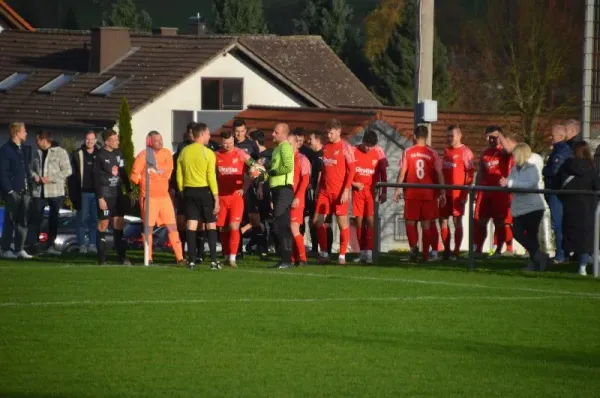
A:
[368,160]
[232,167]
[421,165]
[458,169]
[301,180]
[333,191]
[495,164]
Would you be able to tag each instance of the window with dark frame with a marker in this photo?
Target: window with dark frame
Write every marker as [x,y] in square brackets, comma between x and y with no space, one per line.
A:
[222,94]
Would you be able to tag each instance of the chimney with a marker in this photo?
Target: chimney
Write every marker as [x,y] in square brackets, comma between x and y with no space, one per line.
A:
[164,31]
[197,25]
[109,44]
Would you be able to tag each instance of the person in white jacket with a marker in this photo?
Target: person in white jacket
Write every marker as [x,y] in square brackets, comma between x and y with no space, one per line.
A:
[527,208]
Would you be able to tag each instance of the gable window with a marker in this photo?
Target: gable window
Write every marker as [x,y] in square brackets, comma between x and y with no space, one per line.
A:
[13,80]
[56,83]
[222,94]
[108,86]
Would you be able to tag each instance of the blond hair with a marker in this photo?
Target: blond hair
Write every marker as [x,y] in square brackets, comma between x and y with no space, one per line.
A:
[14,128]
[521,153]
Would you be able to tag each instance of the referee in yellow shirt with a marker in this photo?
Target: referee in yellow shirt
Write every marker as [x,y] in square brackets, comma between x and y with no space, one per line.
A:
[197,181]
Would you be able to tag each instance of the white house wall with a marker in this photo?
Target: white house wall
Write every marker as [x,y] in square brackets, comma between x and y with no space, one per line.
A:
[258,90]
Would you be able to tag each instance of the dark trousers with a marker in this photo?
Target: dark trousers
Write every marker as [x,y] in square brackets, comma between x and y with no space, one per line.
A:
[556,216]
[525,230]
[16,213]
[37,213]
[282,203]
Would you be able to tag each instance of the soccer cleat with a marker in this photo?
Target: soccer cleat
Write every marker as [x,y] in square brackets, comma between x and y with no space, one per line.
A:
[54,252]
[342,261]
[215,266]
[9,254]
[582,270]
[24,255]
[509,253]
[369,258]
[496,254]
[433,255]
[302,264]
[414,254]
[191,265]
[181,262]
[323,260]
[285,266]
[232,264]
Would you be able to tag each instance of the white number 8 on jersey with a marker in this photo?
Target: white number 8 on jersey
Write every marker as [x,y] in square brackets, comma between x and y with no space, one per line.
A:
[420,169]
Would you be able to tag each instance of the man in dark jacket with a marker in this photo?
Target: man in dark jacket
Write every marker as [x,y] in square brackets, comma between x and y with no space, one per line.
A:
[82,194]
[561,151]
[15,183]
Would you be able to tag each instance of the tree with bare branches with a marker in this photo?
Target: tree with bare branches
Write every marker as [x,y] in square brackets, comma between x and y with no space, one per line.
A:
[521,63]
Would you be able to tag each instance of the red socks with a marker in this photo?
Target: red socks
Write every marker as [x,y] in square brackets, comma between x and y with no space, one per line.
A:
[369,238]
[299,247]
[435,236]
[344,240]
[458,237]
[360,236]
[234,241]
[322,238]
[508,232]
[225,242]
[446,238]
[426,242]
[412,234]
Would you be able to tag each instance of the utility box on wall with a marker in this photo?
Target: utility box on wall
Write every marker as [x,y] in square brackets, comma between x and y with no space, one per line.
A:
[427,111]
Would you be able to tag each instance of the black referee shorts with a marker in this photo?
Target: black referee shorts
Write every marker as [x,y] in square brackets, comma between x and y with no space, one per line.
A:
[116,206]
[199,205]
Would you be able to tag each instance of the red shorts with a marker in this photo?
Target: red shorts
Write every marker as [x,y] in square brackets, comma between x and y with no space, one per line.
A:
[231,209]
[452,208]
[328,203]
[494,205]
[363,203]
[297,214]
[420,210]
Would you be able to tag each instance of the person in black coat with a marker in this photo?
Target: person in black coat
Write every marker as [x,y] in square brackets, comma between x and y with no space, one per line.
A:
[579,173]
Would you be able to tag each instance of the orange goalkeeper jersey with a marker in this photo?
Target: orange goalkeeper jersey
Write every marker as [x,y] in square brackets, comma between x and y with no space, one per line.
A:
[159,181]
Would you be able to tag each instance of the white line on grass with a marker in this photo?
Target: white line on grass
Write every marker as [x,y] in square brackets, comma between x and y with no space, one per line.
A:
[268,300]
[340,276]
[426,282]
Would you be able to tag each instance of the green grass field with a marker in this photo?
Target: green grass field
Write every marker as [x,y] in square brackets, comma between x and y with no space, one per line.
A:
[72,329]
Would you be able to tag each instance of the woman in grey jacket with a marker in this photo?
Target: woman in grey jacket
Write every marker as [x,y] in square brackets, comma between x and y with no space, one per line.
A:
[527,208]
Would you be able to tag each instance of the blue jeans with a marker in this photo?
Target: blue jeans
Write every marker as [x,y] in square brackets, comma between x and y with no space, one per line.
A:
[556,216]
[87,218]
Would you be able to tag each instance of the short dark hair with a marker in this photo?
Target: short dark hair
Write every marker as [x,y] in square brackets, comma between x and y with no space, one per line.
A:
[333,124]
[238,123]
[44,135]
[226,134]
[370,138]
[190,126]
[421,131]
[198,129]
[452,127]
[106,134]
[318,135]
[299,132]
[258,136]
[89,132]
[493,128]
[582,150]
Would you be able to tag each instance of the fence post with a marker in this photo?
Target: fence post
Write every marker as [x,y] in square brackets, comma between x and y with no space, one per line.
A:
[377,229]
[471,228]
[596,239]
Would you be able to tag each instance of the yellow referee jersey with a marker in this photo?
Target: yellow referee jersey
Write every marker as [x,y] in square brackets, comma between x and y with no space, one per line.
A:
[196,168]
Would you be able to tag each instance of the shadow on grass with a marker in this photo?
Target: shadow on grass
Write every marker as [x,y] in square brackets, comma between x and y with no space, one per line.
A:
[508,266]
[423,343]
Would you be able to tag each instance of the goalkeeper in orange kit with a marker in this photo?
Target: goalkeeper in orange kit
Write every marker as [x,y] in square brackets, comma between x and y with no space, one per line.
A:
[161,210]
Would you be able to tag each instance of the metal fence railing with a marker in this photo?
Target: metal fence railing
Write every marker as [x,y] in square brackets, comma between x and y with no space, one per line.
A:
[475,188]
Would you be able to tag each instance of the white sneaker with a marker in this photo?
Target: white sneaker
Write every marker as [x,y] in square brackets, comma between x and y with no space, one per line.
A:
[369,257]
[53,251]
[24,255]
[583,270]
[9,254]
[83,249]
[92,249]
